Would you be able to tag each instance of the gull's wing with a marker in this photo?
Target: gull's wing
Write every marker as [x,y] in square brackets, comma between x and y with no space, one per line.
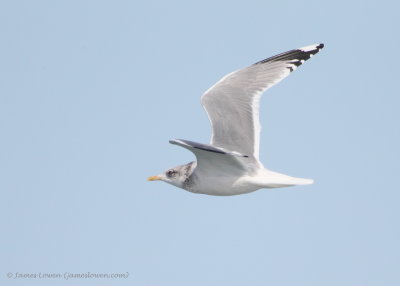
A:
[215,160]
[232,104]
[205,147]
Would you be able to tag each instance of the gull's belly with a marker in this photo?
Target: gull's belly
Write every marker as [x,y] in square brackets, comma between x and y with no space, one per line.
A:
[223,186]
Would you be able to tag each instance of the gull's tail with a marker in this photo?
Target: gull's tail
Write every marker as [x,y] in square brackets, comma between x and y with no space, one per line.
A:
[287,181]
[301,181]
[269,179]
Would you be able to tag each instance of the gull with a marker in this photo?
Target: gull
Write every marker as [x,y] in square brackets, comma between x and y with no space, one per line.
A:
[230,164]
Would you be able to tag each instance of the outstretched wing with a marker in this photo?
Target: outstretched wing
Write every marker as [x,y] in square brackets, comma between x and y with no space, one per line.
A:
[232,104]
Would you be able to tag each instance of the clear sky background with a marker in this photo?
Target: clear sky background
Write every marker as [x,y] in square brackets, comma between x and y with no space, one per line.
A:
[91,92]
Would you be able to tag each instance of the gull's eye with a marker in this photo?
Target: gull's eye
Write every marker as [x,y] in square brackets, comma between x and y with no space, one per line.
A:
[171,173]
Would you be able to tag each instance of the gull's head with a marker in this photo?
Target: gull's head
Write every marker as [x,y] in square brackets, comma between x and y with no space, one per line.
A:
[175,176]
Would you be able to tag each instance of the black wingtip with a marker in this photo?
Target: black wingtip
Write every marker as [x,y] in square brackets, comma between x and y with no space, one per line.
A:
[295,57]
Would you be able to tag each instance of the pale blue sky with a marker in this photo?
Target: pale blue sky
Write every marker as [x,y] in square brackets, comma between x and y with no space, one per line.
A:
[91,92]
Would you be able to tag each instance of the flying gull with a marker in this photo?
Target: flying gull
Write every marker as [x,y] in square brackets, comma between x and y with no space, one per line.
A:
[230,164]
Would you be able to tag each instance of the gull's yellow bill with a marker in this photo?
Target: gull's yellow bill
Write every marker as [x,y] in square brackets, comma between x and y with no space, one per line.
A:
[154,178]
